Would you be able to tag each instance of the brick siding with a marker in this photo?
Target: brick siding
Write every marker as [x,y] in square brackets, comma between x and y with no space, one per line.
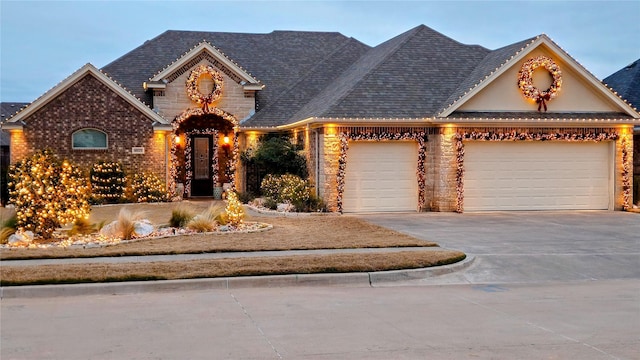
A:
[91,104]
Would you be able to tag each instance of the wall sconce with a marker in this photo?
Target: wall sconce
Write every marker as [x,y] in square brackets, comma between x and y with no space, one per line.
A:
[176,139]
[225,145]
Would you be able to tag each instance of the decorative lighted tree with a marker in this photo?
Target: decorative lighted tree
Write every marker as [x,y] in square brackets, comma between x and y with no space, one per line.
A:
[47,193]
[147,187]
[108,183]
[234,209]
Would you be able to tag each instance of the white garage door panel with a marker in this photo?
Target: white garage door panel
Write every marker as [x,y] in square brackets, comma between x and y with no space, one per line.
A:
[536,175]
[381,176]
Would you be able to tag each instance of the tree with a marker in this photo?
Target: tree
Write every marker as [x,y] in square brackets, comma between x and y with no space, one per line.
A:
[47,193]
[278,156]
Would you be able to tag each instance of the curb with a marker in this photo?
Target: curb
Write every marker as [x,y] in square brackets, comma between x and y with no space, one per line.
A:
[365,279]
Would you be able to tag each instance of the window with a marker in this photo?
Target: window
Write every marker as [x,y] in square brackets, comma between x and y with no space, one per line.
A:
[89,139]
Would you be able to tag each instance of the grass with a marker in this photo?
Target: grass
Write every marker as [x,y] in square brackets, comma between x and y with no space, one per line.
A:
[288,233]
[303,233]
[300,264]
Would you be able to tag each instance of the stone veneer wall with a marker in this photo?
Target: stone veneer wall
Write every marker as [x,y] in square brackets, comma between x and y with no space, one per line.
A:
[233,100]
[440,165]
[91,104]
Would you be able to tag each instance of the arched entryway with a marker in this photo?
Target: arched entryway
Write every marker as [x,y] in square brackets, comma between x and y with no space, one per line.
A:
[204,152]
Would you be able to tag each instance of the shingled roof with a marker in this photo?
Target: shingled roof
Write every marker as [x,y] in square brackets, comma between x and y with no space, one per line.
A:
[626,82]
[409,76]
[278,59]
[7,109]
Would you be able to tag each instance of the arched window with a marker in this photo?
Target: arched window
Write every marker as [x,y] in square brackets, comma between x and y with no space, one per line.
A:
[89,139]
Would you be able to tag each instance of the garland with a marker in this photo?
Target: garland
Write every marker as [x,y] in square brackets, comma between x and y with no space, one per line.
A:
[173,168]
[515,136]
[525,80]
[193,86]
[344,147]
[626,179]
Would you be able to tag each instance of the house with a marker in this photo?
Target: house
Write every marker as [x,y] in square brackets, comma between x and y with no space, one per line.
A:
[626,82]
[419,122]
[6,110]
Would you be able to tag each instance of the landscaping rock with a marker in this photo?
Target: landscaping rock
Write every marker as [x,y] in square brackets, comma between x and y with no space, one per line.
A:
[110,230]
[21,238]
[143,228]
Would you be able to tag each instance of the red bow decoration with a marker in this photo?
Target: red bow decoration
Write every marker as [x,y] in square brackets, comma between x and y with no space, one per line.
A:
[542,101]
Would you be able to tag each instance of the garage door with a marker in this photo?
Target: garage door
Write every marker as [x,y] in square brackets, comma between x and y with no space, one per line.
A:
[537,175]
[381,176]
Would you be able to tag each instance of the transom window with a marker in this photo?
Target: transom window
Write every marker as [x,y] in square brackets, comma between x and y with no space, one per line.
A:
[89,139]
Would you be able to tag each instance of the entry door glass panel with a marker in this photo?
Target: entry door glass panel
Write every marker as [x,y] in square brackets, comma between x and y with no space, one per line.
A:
[201,158]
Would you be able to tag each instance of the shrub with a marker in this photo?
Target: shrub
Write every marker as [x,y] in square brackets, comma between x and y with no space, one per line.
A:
[270,186]
[246,197]
[108,183]
[277,155]
[287,188]
[147,187]
[270,203]
[206,221]
[125,225]
[8,228]
[82,226]
[180,217]
[293,189]
[47,193]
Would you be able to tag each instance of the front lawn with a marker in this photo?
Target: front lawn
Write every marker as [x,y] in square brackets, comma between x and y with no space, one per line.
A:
[288,233]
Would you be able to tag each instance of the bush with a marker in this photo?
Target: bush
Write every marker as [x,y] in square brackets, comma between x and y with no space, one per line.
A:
[147,188]
[108,183]
[246,197]
[206,221]
[270,186]
[286,188]
[47,193]
[84,227]
[180,217]
[8,228]
[277,155]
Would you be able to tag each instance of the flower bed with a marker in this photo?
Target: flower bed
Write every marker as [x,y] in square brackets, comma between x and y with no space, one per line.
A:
[99,240]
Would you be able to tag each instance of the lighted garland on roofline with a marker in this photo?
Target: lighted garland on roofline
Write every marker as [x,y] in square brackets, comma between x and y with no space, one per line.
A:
[187,156]
[193,85]
[525,80]
[519,136]
[344,147]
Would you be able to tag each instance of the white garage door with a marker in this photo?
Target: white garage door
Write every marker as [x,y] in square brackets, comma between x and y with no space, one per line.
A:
[537,175]
[381,176]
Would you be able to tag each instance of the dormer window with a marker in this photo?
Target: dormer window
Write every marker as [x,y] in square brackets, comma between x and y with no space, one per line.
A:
[89,139]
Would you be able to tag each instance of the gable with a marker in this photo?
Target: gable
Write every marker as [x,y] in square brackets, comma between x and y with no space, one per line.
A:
[99,79]
[206,52]
[577,94]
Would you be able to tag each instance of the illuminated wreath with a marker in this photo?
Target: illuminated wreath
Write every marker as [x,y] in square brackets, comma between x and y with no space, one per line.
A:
[525,80]
[193,85]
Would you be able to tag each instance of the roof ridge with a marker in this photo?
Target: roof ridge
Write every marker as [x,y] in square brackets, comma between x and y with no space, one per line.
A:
[303,77]
[478,79]
[405,37]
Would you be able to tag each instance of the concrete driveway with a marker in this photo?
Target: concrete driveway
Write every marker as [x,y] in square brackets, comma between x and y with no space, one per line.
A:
[530,247]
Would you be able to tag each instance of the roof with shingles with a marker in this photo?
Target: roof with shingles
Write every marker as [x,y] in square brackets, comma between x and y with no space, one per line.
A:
[277,59]
[417,74]
[409,76]
[626,82]
[8,109]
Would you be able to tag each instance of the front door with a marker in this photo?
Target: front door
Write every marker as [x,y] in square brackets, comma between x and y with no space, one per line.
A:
[202,177]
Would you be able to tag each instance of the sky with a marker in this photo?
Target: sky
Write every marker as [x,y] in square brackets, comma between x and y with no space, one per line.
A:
[43,42]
